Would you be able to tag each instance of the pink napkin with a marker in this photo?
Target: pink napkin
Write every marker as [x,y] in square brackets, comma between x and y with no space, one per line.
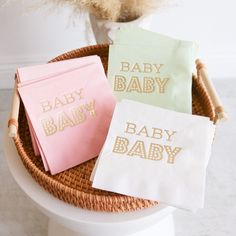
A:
[70,113]
[32,74]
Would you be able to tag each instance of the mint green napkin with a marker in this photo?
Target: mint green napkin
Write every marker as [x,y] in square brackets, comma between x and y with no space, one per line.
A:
[151,68]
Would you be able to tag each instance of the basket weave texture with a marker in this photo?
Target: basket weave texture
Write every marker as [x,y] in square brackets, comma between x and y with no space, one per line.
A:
[73,186]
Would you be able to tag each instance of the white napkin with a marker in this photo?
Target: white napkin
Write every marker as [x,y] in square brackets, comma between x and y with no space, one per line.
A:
[157,154]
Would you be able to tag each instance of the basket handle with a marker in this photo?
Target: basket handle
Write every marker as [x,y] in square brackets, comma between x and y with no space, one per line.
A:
[13,121]
[219,109]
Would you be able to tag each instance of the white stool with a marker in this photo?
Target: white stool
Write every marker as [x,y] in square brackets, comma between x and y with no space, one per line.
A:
[67,220]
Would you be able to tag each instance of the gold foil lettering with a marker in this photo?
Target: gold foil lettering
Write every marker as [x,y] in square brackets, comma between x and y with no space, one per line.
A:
[49,127]
[58,103]
[46,106]
[61,101]
[120,83]
[134,85]
[158,67]
[148,85]
[172,153]
[90,107]
[130,128]
[155,152]
[125,66]
[138,149]
[140,67]
[64,121]
[73,116]
[69,98]
[156,133]
[143,131]
[78,115]
[162,83]
[169,135]
[147,67]
[121,145]
[79,93]
[136,68]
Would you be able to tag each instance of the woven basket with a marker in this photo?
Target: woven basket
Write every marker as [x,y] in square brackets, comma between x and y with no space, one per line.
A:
[73,186]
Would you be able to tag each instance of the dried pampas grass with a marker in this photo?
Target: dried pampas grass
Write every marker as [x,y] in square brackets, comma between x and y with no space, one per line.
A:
[132,9]
[113,10]
[104,9]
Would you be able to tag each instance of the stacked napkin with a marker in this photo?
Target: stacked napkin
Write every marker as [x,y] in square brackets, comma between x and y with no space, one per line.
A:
[69,106]
[156,154]
[151,68]
[31,74]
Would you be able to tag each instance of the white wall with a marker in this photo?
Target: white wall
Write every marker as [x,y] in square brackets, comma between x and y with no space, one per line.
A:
[35,36]
[212,24]
[31,37]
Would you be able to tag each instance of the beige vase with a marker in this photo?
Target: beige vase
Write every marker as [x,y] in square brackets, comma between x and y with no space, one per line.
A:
[104,30]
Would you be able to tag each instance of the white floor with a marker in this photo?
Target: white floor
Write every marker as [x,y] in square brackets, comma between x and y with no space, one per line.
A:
[19,217]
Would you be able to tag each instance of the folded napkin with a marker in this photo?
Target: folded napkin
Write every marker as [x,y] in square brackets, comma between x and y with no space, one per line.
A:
[32,74]
[152,68]
[156,154]
[70,113]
